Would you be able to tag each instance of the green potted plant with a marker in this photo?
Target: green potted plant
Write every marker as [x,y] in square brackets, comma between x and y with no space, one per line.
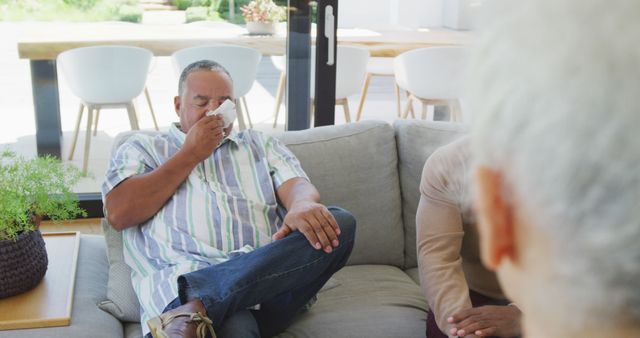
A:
[31,189]
[262,16]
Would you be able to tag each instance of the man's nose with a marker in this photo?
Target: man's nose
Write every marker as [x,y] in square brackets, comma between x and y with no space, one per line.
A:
[213,104]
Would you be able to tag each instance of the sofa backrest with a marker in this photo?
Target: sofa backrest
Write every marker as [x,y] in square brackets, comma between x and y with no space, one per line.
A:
[354,166]
[416,141]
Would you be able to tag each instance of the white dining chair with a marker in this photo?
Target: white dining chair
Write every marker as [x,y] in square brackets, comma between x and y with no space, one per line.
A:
[432,76]
[147,96]
[241,63]
[378,66]
[280,62]
[104,77]
[351,68]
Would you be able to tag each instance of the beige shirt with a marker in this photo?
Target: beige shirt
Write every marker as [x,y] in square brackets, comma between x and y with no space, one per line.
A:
[447,237]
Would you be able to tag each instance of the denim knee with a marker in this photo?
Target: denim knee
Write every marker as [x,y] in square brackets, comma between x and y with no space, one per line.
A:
[346,221]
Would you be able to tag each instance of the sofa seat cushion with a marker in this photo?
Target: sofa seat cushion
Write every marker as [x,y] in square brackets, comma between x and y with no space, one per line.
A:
[359,301]
[90,288]
[414,273]
[367,301]
[132,330]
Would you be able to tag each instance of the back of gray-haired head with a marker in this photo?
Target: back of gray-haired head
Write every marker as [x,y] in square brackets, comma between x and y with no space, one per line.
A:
[200,65]
[555,93]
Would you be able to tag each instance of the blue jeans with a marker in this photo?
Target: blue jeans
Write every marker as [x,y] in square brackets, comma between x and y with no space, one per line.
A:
[282,277]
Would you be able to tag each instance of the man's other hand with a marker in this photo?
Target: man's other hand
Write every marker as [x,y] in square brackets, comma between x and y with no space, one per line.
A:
[315,222]
[485,321]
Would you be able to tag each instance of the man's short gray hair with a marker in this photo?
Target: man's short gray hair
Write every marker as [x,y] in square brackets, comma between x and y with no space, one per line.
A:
[200,65]
[555,93]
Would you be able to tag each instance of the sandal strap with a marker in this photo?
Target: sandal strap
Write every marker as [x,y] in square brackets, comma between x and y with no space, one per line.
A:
[203,322]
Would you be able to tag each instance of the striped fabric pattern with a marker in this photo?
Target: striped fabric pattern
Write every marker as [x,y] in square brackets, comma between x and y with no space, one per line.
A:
[226,206]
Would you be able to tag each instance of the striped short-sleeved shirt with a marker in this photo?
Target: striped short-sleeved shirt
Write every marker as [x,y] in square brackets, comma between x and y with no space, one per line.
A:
[227,204]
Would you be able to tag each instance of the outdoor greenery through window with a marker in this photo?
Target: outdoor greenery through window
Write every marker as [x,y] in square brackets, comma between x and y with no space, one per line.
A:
[70,10]
[116,10]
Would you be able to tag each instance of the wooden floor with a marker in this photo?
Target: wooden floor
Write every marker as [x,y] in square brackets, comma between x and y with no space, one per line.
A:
[83,225]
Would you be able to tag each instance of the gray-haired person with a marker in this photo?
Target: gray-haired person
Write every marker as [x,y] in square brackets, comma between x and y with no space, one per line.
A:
[556,101]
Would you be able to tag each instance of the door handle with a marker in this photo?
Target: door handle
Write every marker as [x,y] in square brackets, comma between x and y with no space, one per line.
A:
[330,33]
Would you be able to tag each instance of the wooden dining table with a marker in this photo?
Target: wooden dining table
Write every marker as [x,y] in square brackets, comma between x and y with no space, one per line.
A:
[42,44]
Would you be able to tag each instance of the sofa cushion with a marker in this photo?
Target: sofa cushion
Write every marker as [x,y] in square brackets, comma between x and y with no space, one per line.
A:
[90,288]
[354,166]
[132,330]
[359,301]
[414,273]
[370,301]
[121,300]
[417,140]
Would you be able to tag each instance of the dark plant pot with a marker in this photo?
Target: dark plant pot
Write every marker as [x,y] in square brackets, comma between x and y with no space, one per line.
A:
[23,263]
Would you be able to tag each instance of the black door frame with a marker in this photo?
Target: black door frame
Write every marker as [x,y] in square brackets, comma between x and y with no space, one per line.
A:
[326,60]
[298,63]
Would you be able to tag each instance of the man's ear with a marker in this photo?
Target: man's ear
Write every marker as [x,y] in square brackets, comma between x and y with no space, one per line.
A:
[176,104]
[495,213]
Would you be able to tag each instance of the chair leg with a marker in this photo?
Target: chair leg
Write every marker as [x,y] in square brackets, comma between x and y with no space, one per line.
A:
[347,113]
[95,124]
[398,100]
[409,107]
[363,95]
[153,114]
[75,133]
[406,109]
[246,110]
[425,110]
[279,92]
[240,115]
[87,141]
[456,111]
[413,115]
[133,116]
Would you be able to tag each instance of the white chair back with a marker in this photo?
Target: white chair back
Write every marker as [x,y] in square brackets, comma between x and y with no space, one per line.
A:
[240,62]
[280,62]
[105,74]
[351,69]
[433,72]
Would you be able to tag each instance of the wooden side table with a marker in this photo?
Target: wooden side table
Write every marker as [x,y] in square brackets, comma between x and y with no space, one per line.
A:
[49,303]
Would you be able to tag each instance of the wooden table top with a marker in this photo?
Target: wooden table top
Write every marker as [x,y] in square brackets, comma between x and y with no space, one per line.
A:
[49,303]
[46,40]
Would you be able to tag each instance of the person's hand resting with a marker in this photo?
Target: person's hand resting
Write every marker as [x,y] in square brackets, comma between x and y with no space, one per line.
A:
[315,222]
[204,137]
[485,321]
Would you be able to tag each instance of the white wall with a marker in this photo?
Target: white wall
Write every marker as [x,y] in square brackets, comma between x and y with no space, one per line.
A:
[458,14]
[385,13]
[431,13]
[364,13]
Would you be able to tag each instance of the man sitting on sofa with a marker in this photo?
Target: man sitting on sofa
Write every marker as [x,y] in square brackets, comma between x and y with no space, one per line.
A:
[200,206]
[465,298]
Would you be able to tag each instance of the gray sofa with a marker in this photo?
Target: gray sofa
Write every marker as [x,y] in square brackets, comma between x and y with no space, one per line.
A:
[370,168]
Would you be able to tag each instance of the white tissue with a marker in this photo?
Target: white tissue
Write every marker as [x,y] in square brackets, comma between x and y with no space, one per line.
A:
[228,111]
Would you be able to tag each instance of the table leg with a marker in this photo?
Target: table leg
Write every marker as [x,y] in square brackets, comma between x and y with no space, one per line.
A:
[46,101]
